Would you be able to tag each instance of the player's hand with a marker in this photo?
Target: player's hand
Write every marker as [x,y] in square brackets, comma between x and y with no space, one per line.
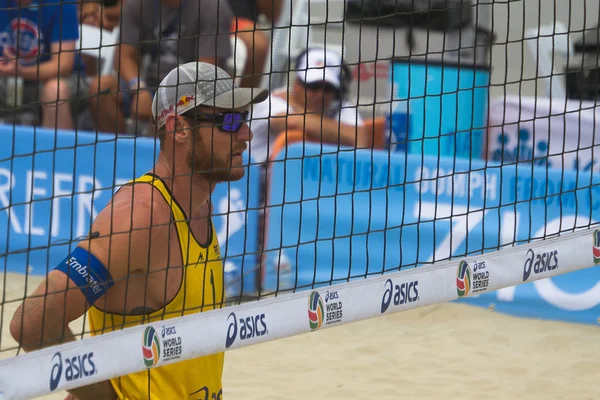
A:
[141,106]
[8,63]
[7,68]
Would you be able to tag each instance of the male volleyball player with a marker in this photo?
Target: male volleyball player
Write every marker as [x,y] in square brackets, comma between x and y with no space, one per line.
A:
[153,253]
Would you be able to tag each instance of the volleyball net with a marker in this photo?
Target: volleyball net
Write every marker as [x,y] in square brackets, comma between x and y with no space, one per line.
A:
[446,154]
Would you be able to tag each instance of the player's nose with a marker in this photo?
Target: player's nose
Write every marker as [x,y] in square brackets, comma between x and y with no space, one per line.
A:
[244,134]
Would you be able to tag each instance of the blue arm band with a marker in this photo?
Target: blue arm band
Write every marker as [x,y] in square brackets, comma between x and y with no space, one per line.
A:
[88,273]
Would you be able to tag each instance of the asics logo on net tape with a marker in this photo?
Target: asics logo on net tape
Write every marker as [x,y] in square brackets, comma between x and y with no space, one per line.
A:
[333,295]
[399,294]
[539,262]
[244,328]
[70,369]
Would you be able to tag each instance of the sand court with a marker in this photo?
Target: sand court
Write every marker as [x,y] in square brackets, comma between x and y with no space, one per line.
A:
[447,351]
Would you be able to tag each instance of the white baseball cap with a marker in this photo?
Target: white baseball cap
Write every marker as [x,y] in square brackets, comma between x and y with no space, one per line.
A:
[195,84]
[320,65]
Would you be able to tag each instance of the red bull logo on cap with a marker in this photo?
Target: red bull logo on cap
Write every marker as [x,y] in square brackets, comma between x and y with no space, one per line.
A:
[184,100]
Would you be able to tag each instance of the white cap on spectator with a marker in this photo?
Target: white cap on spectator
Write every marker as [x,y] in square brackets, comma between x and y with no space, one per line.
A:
[320,65]
[200,84]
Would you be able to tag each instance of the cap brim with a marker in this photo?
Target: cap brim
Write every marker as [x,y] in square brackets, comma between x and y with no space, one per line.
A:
[318,75]
[236,98]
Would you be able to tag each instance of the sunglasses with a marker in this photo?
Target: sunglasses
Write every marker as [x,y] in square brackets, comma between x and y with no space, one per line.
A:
[227,122]
[327,87]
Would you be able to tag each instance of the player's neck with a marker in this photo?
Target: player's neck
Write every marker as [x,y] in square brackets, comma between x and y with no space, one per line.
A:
[191,191]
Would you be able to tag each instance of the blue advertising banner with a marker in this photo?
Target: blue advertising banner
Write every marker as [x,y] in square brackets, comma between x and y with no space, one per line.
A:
[336,216]
[573,297]
[53,184]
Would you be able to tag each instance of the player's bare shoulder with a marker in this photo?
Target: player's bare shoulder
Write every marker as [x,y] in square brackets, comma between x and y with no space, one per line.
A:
[135,206]
[136,219]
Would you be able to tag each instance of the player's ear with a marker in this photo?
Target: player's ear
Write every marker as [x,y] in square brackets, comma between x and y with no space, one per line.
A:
[171,123]
[178,126]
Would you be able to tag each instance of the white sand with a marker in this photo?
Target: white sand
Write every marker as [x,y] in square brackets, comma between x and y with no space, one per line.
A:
[448,351]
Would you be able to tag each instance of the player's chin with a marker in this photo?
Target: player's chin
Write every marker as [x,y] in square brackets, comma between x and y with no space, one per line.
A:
[236,173]
[234,170]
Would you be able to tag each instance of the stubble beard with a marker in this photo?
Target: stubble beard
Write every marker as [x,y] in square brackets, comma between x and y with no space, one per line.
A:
[208,165]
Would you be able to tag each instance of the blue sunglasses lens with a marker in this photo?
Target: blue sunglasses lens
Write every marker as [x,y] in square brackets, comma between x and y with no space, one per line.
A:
[233,122]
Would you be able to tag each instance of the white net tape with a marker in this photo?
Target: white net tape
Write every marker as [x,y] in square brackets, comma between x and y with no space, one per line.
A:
[95,359]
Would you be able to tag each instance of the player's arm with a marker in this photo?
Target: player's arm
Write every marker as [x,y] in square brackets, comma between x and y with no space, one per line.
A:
[109,256]
[61,64]
[85,276]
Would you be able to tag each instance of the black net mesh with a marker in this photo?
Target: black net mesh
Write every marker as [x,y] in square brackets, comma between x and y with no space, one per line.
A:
[395,134]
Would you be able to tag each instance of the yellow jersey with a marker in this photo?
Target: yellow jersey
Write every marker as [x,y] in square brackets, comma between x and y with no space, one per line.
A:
[201,290]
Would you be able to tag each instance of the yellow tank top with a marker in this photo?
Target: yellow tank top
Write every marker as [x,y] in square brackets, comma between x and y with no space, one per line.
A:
[201,290]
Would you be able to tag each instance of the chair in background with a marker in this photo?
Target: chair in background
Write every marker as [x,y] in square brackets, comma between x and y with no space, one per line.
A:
[545,43]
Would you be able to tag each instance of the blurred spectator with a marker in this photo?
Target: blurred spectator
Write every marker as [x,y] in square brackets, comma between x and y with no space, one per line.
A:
[316,105]
[166,33]
[37,44]
[246,13]
[104,14]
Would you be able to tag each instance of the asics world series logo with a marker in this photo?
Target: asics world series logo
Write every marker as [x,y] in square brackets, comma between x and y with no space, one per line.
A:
[471,278]
[151,347]
[596,247]
[463,279]
[316,311]
[164,347]
[326,310]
